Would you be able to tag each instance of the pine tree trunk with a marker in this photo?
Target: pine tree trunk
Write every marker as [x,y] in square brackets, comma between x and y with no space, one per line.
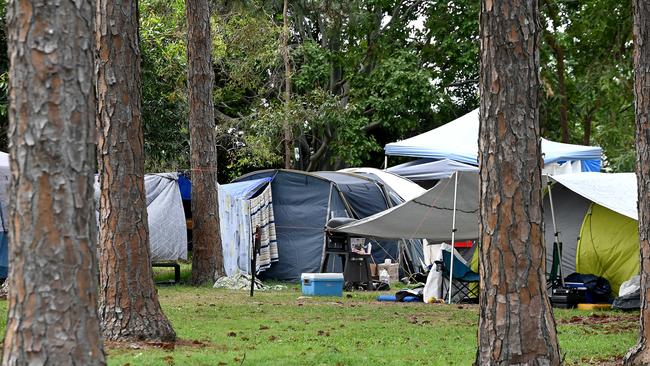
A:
[128,301]
[516,324]
[207,257]
[640,354]
[52,314]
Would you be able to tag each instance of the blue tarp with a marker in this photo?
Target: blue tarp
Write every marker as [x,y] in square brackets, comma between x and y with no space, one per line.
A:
[458,141]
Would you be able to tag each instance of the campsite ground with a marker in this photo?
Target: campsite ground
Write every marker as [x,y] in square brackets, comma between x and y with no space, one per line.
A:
[220,327]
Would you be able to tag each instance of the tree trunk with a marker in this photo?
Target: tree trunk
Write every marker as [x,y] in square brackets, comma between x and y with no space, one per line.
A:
[128,301]
[560,70]
[207,257]
[640,354]
[516,324]
[288,136]
[52,315]
[558,52]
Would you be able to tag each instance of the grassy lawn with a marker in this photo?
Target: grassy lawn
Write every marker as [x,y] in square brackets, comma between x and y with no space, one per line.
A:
[220,327]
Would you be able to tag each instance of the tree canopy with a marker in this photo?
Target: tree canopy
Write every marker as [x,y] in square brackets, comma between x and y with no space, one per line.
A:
[368,72]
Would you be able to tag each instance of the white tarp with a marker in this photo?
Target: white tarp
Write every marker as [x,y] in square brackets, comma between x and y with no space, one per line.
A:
[427,169]
[166,217]
[616,191]
[428,216]
[403,187]
[238,215]
[458,140]
[5,178]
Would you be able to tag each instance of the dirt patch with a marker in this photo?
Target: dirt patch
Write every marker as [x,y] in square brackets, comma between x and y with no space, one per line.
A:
[168,346]
[600,319]
[603,323]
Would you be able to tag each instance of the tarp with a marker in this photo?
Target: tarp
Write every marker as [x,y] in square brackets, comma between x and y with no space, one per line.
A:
[429,169]
[403,187]
[5,178]
[608,246]
[614,191]
[166,217]
[458,140]
[235,222]
[428,216]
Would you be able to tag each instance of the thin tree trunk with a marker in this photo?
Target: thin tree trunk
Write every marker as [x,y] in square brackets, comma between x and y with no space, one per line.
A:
[560,70]
[640,354]
[128,301]
[52,314]
[288,136]
[558,52]
[516,324]
[207,257]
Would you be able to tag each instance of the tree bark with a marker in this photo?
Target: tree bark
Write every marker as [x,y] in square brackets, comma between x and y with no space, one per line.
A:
[516,324]
[207,256]
[640,354]
[128,302]
[52,315]
[288,136]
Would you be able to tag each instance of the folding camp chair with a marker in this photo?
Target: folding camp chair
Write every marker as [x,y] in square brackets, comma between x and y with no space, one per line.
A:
[463,278]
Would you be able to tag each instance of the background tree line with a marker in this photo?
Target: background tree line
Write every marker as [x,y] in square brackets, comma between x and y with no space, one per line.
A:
[361,79]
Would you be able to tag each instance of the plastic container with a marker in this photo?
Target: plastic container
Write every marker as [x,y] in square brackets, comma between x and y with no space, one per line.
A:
[322,284]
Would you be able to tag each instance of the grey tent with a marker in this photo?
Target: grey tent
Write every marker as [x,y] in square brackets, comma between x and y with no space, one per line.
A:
[570,209]
[304,202]
[165,215]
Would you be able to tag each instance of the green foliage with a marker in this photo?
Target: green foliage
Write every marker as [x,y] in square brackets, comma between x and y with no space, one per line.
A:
[596,37]
[365,73]
[164,99]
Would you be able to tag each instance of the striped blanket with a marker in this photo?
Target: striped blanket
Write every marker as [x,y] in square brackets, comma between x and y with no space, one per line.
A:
[262,215]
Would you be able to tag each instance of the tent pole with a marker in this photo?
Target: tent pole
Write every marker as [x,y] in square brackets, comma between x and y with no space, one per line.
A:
[453,237]
[385,162]
[555,233]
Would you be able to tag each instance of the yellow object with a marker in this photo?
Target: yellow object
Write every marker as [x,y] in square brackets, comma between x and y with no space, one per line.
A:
[608,246]
[594,306]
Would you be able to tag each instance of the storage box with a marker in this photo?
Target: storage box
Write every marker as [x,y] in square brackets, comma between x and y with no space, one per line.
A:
[322,284]
[392,268]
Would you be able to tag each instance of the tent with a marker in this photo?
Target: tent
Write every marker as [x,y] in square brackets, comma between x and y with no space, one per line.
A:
[458,141]
[595,216]
[304,202]
[166,217]
[602,211]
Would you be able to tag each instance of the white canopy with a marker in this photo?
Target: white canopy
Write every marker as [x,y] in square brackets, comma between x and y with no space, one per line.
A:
[428,216]
[616,191]
[403,187]
[458,140]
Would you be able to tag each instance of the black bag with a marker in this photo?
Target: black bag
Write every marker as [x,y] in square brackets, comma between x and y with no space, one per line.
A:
[628,302]
[598,288]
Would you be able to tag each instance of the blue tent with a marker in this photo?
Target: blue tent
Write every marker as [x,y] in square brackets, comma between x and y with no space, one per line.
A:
[302,205]
[458,141]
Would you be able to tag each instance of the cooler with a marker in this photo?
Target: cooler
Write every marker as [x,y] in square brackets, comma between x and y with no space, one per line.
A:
[322,284]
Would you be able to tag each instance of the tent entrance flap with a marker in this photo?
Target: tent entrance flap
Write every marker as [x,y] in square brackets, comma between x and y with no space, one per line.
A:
[608,246]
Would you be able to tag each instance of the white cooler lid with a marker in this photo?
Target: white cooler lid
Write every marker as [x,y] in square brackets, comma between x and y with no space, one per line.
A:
[321,276]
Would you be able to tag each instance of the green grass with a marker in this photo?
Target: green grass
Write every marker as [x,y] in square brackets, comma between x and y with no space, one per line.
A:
[220,327]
